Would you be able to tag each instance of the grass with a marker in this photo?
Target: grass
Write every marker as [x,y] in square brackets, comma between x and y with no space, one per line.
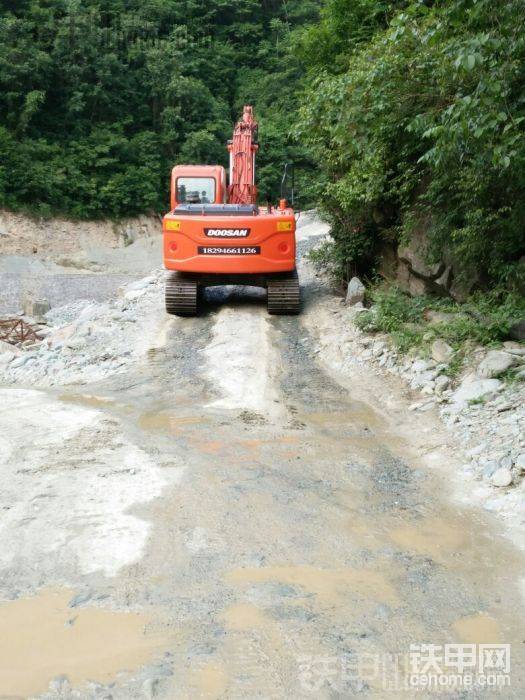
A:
[483,320]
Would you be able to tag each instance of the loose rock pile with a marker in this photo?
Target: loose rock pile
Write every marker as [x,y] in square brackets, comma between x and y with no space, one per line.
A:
[86,341]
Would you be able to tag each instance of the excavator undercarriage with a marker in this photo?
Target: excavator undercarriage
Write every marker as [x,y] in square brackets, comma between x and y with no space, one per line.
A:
[184,291]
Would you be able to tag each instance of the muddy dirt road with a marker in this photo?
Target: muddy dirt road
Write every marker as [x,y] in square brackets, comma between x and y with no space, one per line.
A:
[229,520]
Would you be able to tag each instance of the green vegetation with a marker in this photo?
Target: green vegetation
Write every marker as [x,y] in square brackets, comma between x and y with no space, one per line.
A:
[483,320]
[400,114]
[415,112]
[98,99]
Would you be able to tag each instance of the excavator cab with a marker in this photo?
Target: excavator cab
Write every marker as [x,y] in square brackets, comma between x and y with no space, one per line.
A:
[198,184]
[216,234]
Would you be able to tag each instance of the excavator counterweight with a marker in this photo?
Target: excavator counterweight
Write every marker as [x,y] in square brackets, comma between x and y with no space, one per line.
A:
[216,233]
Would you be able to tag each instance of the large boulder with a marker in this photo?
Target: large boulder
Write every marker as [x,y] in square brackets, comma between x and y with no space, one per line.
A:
[496,362]
[415,253]
[473,389]
[356,292]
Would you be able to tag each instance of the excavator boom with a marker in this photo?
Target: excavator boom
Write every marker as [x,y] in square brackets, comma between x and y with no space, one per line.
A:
[242,148]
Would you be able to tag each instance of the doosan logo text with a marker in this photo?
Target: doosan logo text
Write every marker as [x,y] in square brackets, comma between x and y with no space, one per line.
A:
[227,232]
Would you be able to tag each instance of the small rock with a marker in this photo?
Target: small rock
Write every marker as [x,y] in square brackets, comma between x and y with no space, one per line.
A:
[134,294]
[378,349]
[6,357]
[514,348]
[441,351]
[477,450]
[495,363]
[20,361]
[505,462]
[422,366]
[8,348]
[502,477]
[355,292]
[58,338]
[442,382]
[428,389]
[436,317]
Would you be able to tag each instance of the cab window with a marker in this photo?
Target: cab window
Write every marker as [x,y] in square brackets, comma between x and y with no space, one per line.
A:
[195,190]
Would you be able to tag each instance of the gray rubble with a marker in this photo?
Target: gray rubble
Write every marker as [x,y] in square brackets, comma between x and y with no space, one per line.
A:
[86,341]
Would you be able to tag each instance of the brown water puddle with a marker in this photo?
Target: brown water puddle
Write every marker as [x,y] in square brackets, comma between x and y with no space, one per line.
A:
[89,400]
[328,585]
[42,638]
[166,422]
[434,537]
[478,629]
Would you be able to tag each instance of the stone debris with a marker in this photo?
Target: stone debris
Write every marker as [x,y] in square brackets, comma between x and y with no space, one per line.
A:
[86,341]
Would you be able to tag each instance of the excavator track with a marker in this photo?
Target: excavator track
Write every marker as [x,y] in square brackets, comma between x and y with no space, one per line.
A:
[284,295]
[182,296]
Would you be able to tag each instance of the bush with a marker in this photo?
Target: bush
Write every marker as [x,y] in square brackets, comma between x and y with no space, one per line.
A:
[422,114]
[482,320]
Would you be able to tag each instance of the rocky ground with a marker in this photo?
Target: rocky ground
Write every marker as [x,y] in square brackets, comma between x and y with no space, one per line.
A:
[484,415]
[228,502]
[86,341]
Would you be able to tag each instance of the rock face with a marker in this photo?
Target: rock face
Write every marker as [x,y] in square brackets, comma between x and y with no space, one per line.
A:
[517,331]
[441,351]
[412,267]
[495,363]
[473,389]
[355,293]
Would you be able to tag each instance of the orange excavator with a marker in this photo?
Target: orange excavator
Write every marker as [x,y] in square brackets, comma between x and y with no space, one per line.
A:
[216,234]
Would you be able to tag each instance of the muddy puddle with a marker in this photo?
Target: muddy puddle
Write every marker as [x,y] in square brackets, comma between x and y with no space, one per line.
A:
[42,638]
